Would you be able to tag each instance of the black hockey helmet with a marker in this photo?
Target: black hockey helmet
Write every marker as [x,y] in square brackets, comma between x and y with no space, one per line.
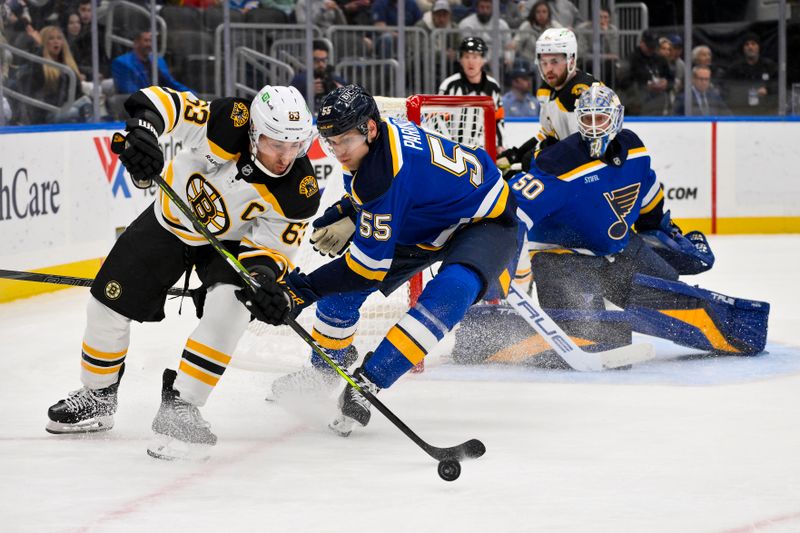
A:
[345,108]
[473,44]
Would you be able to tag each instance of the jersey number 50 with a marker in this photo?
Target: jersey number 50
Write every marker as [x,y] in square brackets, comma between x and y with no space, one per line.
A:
[529,187]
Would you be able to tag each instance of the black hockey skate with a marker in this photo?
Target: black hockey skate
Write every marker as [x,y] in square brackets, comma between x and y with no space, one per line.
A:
[181,432]
[85,410]
[312,381]
[354,407]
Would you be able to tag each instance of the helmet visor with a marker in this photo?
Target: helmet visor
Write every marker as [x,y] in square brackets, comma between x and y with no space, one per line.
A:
[342,146]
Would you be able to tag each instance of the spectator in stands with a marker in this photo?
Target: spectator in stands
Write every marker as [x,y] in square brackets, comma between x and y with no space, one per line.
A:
[324,13]
[131,71]
[706,100]
[676,63]
[285,6]
[243,6]
[51,85]
[752,81]
[201,4]
[564,12]
[384,13]
[19,29]
[441,17]
[539,19]
[519,101]
[81,43]
[357,12]
[479,24]
[609,40]
[665,51]
[472,80]
[651,78]
[324,79]
[702,56]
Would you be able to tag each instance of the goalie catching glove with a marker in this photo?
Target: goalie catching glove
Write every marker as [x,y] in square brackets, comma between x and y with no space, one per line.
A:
[139,151]
[276,302]
[688,254]
[334,230]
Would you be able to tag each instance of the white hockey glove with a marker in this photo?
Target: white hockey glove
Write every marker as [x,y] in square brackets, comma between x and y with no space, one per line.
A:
[334,230]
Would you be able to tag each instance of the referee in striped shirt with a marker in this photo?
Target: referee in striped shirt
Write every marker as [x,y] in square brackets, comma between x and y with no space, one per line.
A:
[471,79]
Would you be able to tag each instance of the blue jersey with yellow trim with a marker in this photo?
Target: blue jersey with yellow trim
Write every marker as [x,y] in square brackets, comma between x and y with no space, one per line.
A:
[571,201]
[417,188]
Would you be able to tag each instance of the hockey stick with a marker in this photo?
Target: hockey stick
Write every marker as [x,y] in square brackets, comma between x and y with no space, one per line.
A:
[58,279]
[470,449]
[565,347]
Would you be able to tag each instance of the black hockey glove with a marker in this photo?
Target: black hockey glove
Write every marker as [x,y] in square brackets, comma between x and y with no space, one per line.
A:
[334,230]
[269,302]
[273,302]
[139,151]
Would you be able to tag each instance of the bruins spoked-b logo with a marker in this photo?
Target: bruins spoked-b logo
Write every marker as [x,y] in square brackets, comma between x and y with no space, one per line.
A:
[207,204]
[113,290]
[621,202]
[239,114]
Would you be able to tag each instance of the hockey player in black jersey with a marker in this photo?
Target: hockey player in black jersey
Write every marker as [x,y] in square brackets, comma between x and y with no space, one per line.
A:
[556,58]
[244,172]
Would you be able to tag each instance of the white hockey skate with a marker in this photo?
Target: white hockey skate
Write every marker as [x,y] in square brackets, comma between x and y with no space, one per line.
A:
[85,410]
[310,382]
[180,430]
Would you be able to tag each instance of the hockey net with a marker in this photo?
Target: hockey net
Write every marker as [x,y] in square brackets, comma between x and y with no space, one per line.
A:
[466,119]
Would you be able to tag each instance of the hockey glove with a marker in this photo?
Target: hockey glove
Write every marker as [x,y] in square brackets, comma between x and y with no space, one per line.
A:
[687,254]
[334,230]
[269,302]
[139,151]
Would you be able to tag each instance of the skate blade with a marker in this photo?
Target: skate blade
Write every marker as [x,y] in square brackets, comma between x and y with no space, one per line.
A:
[342,425]
[168,448]
[93,425]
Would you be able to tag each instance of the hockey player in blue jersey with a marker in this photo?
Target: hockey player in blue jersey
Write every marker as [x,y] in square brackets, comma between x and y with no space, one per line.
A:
[414,198]
[598,231]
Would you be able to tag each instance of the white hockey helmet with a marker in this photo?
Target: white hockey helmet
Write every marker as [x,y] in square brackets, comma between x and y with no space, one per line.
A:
[280,113]
[600,114]
[558,41]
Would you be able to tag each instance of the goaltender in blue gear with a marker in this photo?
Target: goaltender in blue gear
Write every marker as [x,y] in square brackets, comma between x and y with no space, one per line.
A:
[416,198]
[598,233]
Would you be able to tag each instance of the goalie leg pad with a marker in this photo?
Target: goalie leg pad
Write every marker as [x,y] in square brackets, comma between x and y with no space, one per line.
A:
[497,334]
[698,318]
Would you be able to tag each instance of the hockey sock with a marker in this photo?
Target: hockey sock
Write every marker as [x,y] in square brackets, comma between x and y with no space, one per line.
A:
[335,326]
[440,306]
[105,344]
[207,352]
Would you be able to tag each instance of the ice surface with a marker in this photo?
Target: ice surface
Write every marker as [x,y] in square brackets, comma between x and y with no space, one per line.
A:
[706,445]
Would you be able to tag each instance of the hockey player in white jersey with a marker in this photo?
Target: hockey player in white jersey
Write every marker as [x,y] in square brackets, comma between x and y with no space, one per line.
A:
[243,171]
[556,58]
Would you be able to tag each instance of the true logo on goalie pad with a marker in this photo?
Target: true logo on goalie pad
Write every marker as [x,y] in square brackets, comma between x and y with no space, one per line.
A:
[113,290]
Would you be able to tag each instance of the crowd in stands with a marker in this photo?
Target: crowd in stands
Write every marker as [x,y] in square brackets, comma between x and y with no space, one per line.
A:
[649,78]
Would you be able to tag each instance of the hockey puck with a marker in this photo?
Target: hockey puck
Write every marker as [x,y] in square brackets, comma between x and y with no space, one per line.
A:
[449,469]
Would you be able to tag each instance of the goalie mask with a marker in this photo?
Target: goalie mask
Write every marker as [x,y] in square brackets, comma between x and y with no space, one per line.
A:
[558,41]
[280,127]
[599,113]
